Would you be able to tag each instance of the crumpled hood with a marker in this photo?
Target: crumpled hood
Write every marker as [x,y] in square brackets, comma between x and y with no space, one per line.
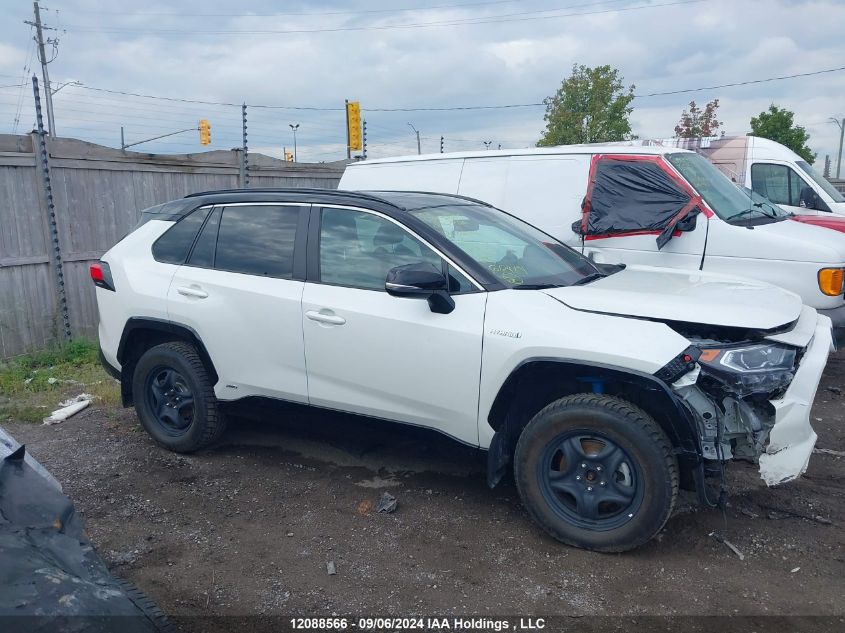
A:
[690,296]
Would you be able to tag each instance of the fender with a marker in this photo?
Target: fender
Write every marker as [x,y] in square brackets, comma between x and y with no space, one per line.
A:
[159,330]
[537,381]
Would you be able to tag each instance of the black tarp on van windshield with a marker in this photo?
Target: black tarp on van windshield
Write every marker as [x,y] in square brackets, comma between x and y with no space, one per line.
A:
[631,195]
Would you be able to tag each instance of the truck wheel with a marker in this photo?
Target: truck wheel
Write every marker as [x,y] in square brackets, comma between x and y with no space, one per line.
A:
[174,398]
[596,472]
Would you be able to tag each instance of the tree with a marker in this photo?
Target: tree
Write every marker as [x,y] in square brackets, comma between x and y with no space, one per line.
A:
[698,123]
[591,106]
[778,125]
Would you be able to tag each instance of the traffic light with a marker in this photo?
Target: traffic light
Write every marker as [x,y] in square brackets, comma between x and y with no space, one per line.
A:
[205,132]
[353,123]
[288,156]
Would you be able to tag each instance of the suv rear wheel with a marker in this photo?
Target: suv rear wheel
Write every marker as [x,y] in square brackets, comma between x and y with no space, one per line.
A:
[174,398]
[596,472]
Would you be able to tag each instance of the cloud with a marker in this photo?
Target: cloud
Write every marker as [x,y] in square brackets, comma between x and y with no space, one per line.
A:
[516,61]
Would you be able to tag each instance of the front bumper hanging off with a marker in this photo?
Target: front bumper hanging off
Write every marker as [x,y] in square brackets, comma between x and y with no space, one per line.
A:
[791,439]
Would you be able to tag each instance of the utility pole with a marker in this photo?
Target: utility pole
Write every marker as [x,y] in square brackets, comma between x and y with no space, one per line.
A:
[294,128]
[841,125]
[416,131]
[42,57]
[348,149]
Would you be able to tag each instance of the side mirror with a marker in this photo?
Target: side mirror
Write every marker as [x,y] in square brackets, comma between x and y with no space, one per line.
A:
[421,281]
[808,198]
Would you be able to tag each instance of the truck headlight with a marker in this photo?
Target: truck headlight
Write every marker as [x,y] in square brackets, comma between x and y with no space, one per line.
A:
[750,368]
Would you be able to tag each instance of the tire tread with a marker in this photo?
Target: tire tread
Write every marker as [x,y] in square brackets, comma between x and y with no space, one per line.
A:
[635,416]
[215,421]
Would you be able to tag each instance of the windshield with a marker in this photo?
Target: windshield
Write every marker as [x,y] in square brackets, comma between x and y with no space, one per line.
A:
[821,181]
[724,197]
[518,254]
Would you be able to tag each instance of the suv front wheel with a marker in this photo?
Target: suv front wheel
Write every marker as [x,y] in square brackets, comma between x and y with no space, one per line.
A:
[596,472]
[174,398]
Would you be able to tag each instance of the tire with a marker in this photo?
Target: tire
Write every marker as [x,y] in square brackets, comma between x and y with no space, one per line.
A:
[596,472]
[174,398]
[157,618]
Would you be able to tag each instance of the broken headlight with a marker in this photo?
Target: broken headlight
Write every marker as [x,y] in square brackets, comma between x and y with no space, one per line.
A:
[762,368]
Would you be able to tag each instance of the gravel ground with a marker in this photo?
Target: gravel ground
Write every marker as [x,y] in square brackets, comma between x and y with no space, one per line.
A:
[249,526]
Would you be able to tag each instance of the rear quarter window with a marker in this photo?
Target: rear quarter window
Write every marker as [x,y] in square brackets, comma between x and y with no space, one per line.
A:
[174,245]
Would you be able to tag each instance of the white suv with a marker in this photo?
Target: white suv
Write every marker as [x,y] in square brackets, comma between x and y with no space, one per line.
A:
[607,387]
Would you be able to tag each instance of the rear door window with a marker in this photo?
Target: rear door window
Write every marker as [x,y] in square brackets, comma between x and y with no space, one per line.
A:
[257,240]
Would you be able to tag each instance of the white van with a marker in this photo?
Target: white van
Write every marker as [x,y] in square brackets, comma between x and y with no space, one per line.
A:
[642,205]
[770,169]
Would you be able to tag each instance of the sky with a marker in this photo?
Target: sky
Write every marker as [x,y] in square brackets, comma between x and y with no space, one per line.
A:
[410,54]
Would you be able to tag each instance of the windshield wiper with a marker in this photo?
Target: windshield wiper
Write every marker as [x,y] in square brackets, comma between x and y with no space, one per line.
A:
[588,279]
[750,211]
[534,286]
[773,214]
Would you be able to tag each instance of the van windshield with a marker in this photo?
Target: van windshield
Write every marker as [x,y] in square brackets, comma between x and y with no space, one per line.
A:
[518,254]
[821,181]
[724,197]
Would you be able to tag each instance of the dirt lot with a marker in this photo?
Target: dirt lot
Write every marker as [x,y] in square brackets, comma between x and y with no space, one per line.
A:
[249,526]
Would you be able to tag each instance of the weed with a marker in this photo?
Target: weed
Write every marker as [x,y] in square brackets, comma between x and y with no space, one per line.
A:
[31,386]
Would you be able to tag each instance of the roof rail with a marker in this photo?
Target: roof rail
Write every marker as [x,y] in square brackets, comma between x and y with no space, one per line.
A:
[263,190]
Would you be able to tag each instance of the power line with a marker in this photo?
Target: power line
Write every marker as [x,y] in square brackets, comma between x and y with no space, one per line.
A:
[288,13]
[202,102]
[513,17]
[449,108]
[742,83]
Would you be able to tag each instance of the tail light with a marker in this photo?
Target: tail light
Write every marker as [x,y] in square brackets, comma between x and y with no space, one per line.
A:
[101,276]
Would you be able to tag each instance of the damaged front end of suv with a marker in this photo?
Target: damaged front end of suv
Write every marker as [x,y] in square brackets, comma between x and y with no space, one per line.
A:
[750,393]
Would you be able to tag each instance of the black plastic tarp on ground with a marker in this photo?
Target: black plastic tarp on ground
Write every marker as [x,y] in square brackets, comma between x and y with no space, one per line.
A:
[51,578]
[631,196]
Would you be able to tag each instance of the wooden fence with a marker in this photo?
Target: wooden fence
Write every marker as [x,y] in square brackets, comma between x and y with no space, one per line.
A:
[98,193]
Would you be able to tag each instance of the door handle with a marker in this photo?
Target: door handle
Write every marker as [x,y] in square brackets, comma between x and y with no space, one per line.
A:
[192,291]
[325,316]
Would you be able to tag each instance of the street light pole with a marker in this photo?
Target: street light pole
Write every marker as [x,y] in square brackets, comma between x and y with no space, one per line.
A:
[841,125]
[294,128]
[419,151]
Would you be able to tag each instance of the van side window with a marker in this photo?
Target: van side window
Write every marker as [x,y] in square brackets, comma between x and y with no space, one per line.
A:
[778,183]
[632,195]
